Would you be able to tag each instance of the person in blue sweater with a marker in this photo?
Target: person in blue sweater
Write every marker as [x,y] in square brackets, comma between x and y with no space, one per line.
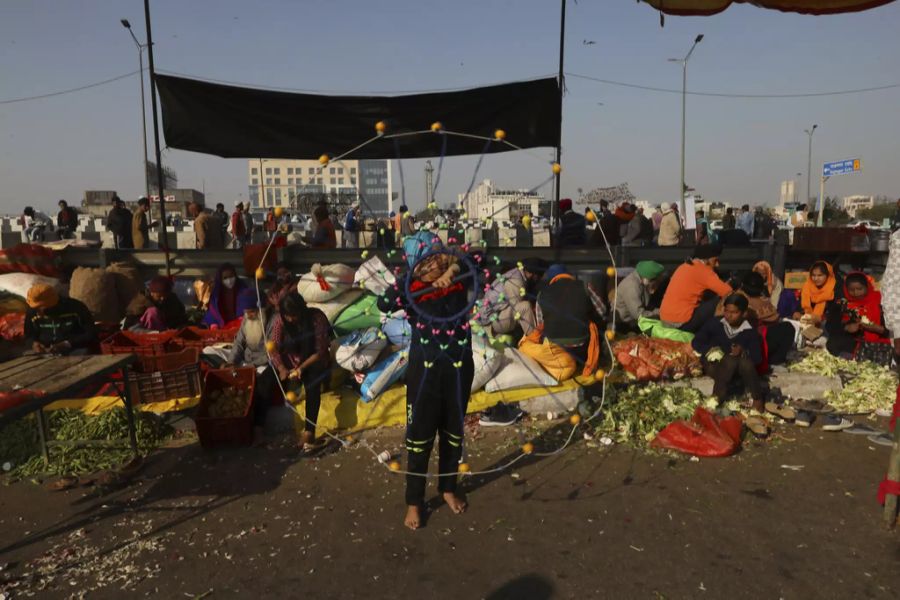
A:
[731,348]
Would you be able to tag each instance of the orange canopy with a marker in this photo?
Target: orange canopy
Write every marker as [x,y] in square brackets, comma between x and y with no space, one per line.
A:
[809,7]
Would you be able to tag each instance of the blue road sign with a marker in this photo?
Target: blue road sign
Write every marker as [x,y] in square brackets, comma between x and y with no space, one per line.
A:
[841,167]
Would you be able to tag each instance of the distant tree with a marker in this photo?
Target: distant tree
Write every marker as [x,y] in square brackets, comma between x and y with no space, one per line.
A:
[877,212]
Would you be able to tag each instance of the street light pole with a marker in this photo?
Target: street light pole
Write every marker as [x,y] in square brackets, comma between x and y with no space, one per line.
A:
[684,64]
[810,133]
[140,48]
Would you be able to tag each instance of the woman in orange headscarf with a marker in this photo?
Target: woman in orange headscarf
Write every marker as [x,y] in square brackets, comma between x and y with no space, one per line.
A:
[774,286]
[817,292]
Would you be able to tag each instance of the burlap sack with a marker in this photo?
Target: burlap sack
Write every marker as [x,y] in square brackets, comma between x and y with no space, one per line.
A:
[127,281]
[96,289]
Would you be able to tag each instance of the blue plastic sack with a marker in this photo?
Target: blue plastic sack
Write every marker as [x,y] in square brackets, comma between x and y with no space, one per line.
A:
[398,331]
[383,375]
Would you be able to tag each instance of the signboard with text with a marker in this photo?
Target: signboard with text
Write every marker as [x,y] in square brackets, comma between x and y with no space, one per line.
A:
[841,167]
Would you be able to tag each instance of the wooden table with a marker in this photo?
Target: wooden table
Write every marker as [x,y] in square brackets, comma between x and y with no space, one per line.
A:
[58,377]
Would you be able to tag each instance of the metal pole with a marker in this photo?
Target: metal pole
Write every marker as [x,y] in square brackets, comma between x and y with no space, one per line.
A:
[163,233]
[683,130]
[562,47]
[262,186]
[821,214]
[809,168]
[144,121]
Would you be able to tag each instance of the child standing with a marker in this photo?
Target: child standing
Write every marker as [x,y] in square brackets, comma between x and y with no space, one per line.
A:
[440,370]
[731,348]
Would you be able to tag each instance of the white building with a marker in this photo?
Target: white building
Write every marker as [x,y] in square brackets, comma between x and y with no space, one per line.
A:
[278,182]
[486,201]
[788,193]
[855,203]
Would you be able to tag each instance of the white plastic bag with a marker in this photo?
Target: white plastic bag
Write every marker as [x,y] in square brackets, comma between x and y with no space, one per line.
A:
[323,283]
[518,371]
[359,350]
[487,361]
[20,283]
[374,276]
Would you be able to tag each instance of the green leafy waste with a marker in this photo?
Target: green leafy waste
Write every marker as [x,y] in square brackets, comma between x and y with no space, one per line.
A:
[635,414]
[866,385]
[20,443]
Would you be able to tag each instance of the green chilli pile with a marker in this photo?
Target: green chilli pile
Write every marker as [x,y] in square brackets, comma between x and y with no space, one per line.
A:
[21,457]
[635,414]
[866,385]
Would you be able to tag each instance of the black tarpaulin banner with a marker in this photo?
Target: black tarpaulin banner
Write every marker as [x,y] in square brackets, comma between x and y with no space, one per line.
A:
[239,122]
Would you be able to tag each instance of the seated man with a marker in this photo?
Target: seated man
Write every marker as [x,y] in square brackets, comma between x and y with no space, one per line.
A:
[569,313]
[508,301]
[57,325]
[633,294]
[166,310]
[694,290]
[249,350]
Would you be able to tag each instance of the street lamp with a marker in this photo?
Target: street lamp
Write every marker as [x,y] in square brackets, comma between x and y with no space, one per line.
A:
[140,48]
[684,63]
[810,133]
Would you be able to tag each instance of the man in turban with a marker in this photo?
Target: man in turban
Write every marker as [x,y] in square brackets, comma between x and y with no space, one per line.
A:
[56,325]
[633,294]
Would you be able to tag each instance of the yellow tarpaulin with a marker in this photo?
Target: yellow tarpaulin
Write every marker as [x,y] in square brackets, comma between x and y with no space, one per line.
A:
[99,404]
[345,412]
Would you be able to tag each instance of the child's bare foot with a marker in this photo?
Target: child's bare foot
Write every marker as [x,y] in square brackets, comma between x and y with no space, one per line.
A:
[456,503]
[413,518]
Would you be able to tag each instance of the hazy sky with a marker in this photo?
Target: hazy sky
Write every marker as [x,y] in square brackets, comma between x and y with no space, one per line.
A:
[739,150]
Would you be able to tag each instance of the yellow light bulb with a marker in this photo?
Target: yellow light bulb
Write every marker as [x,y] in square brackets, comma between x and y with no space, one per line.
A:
[278,212]
[270,346]
[323,160]
[557,168]
[610,334]
[260,273]
[394,465]
[528,448]
[436,126]
[463,468]
[575,419]
[499,134]
[380,127]
[291,397]
[610,271]
[600,374]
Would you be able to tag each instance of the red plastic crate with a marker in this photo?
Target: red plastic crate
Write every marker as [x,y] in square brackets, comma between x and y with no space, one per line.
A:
[144,344]
[195,337]
[165,377]
[225,431]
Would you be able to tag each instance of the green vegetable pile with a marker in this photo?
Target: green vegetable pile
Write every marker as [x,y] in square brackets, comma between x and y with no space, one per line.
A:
[866,386]
[20,444]
[635,414]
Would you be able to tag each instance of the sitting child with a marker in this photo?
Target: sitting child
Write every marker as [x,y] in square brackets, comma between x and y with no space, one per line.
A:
[730,348]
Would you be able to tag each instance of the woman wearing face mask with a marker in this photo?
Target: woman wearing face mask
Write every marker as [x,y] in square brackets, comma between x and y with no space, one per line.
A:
[223,302]
[285,283]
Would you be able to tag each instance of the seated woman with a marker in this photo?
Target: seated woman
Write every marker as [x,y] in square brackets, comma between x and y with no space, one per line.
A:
[856,320]
[730,348]
[285,283]
[302,336]
[166,310]
[774,285]
[223,308]
[817,292]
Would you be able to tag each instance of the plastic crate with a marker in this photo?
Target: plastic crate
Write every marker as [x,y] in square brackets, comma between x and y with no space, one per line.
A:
[226,431]
[142,344]
[165,377]
[195,337]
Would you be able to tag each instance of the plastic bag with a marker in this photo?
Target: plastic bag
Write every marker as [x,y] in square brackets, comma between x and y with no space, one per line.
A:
[655,328]
[398,330]
[383,375]
[518,371]
[374,276]
[362,314]
[704,435]
[486,360]
[323,283]
[553,357]
[359,350]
